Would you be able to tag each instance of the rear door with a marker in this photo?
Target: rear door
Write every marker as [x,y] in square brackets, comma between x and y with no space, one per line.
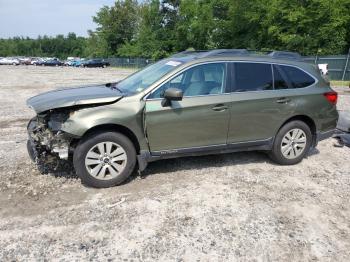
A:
[261,101]
[201,119]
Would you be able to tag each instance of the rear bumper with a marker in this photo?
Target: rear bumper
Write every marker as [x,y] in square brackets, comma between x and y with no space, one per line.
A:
[324,135]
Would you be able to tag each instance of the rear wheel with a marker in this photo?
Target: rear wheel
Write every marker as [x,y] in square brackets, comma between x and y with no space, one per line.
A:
[292,143]
[104,159]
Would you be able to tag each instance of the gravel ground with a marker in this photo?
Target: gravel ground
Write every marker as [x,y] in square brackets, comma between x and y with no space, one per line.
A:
[227,207]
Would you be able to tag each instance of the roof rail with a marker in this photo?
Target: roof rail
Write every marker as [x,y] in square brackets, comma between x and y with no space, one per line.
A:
[238,52]
[219,52]
[285,55]
[215,52]
[191,52]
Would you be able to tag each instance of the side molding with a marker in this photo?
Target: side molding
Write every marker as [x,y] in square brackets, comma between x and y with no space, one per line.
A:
[146,157]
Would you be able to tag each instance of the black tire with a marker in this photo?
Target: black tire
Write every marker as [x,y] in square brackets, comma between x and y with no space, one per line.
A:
[276,153]
[30,150]
[88,142]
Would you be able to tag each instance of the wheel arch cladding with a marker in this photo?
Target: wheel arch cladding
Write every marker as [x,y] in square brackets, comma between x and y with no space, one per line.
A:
[114,128]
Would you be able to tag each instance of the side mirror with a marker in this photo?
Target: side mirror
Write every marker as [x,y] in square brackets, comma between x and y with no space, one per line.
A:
[171,94]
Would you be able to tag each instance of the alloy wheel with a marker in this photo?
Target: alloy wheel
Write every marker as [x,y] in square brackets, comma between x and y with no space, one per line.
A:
[293,143]
[106,160]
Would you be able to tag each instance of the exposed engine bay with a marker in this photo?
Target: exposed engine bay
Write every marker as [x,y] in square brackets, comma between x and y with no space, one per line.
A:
[48,146]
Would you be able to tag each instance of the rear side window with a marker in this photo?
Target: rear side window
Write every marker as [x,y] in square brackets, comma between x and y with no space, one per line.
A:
[297,77]
[252,77]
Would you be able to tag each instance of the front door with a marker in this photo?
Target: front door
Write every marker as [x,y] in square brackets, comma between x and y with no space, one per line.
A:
[201,119]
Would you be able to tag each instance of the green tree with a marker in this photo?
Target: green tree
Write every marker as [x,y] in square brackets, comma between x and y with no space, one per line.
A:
[116,26]
[307,26]
[156,36]
[158,28]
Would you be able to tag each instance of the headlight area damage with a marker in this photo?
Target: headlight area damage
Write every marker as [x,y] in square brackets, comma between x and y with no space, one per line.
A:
[47,145]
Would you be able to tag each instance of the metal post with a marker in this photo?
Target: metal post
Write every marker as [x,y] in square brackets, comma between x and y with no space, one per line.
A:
[346,65]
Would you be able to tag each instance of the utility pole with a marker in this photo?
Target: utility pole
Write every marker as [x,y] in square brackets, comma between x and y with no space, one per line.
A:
[316,58]
[346,65]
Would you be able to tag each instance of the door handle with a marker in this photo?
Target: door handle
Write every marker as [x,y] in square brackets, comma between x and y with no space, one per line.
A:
[220,107]
[283,100]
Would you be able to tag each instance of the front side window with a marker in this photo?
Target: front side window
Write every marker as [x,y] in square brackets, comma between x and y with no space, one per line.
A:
[252,77]
[207,79]
[297,77]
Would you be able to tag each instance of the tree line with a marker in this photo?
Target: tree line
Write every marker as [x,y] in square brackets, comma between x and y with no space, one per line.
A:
[59,46]
[158,28]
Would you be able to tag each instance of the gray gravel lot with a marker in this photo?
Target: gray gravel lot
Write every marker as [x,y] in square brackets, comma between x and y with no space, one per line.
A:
[227,207]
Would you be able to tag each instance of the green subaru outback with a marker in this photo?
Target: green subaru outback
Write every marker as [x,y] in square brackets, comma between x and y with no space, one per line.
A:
[192,103]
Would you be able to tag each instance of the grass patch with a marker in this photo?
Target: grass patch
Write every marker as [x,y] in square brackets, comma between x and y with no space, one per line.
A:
[340,83]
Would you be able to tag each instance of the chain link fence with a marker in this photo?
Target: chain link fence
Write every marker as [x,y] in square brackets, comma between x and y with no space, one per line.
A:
[338,65]
[137,62]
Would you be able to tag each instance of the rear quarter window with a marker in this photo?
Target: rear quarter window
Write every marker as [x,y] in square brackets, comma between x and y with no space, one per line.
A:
[297,77]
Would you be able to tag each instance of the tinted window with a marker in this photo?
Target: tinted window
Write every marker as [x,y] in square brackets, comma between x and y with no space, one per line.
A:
[280,82]
[253,77]
[205,79]
[297,77]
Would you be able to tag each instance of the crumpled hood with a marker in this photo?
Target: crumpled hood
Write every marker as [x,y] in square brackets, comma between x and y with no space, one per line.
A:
[97,94]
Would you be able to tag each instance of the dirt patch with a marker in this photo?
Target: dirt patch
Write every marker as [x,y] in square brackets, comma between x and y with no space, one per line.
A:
[13,123]
[229,207]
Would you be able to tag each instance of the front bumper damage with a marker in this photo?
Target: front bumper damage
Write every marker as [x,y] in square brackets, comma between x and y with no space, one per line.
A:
[47,144]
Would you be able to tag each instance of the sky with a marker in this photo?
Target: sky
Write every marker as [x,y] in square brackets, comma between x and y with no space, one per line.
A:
[48,17]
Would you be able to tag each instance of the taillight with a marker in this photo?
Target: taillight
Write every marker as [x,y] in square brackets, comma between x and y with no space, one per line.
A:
[332,97]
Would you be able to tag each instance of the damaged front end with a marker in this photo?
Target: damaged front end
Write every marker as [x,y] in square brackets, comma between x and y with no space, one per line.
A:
[48,146]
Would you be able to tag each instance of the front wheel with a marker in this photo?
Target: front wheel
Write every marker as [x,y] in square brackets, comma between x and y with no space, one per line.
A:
[104,159]
[292,143]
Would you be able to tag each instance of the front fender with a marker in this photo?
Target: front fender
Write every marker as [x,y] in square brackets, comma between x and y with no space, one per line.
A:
[126,113]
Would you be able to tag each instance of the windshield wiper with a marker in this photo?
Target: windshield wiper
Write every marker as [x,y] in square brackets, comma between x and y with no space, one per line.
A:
[114,86]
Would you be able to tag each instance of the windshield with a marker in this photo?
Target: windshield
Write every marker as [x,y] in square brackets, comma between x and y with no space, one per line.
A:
[147,76]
